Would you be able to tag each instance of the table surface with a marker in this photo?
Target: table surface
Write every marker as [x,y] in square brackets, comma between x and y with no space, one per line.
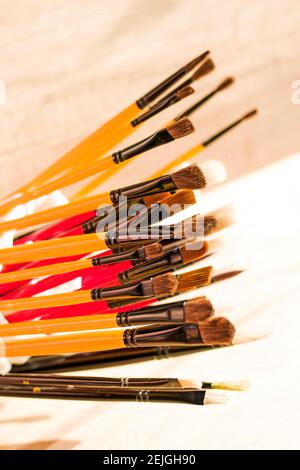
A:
[263,302]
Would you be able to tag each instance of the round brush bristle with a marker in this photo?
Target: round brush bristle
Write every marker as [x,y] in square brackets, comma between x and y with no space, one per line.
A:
[238,385]
[217,331]
[181,128]
[190,177]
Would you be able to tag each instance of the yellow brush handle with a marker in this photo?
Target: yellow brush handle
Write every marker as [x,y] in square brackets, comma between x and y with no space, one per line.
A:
[45,301]
[59,325]
[58,184]
[64,344]
[76,155]
[57,248]
[49,270]
[49,215]
[178,161]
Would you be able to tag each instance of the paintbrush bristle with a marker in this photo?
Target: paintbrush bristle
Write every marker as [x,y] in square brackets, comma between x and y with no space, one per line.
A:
[226,83]
[235,385]
[185,92]
[153,251]
[219,219]
[188,67]
[180,128]
[191,177]
[181,198]
[189,252]
[214,172]
[164,285]
[194,279]
[197,310]
[217,331]
[250,114]
[204,69]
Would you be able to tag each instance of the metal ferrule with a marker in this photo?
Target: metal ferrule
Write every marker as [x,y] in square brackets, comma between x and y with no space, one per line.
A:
[145,188]
[155,140]
[156,335]
[142,290]
[170,313]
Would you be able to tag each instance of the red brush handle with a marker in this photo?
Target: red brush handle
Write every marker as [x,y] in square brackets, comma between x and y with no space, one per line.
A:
[91,308]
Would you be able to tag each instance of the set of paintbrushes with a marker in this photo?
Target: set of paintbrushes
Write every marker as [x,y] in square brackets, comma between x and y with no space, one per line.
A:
[125,249]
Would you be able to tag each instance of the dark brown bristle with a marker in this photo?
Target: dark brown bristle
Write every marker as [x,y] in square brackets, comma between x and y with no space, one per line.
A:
[194,279]
[250,114]
[190,177]
[192,254]
[153,250]
[217,331]
[184,92]
[164,285]
[182,198]
[181,128]
[226,83]
[197,310]
[204,69]
[196,61]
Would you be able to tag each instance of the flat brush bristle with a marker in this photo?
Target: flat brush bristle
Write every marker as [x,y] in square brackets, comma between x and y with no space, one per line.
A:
[189,253]
[237,385]
[204,69]
[226,83]
[164,285]
[153,250]
[182,198]
[185,92]
[217,331]
[250,114]
[181,128]
[191,177]
[197,310]
[194,279]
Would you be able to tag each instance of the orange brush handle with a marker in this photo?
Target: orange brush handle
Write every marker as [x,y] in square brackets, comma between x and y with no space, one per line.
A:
[45,301]
[49,215]
[49,270]
[178,161]
[56,248]
[64,344]
[61,325]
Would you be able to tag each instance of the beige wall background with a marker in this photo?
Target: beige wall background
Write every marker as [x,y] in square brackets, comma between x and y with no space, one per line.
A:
[68,65]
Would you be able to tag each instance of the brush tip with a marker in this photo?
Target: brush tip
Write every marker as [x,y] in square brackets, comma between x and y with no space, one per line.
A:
[185,92]
[191,253]
[153,250]
[204,69]
[181,128]
[226,83]
[197,310]
[164,285]
[219,219]
[250,114]
[190,177]
[196,61]
[217,331]
[234,385]
[194,279]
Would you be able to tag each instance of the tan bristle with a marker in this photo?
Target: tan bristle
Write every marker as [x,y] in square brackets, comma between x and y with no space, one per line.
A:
[182,198]
[226,83]
[219,219]
[194,279]
[214,172]
[250,114]
[148,200]
[185,92]
[190,253]
[153,250]
[190,177]
[217,331]
[204,69]
[164,285]
[181,128]
[197,310]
